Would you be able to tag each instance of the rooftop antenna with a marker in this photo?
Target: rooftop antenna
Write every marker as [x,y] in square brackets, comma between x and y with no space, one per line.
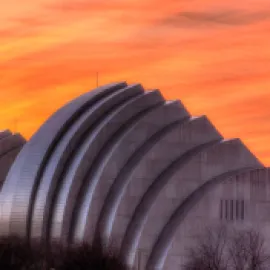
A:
[15,125]
[97,79]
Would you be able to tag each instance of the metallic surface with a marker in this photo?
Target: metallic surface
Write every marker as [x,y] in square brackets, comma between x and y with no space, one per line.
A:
[10,146]
[118,164]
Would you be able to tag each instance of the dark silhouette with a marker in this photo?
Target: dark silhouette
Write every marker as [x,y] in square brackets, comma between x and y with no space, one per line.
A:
[208,252]
[219,249]
[247,251]
[18,254]
[85,256]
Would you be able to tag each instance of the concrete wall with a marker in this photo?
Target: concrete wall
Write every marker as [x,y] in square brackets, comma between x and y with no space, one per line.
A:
[252,188]
[190,182]
[179,143]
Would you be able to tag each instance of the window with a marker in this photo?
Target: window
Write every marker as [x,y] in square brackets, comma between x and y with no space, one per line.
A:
[232,210]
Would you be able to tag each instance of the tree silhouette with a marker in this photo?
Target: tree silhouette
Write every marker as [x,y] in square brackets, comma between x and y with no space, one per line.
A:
[220,249]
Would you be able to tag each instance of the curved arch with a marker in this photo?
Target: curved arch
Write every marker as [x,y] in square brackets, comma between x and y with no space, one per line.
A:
[196,156]
[93,144]
[138,220]
[32,160]
[161,247]
[148,162]
[118,188]
[128,169]
[67,149]
[176,112]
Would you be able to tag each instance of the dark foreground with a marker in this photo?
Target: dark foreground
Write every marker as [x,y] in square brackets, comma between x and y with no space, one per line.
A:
[18,254]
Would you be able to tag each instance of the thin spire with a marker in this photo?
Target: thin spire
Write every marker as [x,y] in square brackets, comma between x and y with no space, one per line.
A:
[15,125]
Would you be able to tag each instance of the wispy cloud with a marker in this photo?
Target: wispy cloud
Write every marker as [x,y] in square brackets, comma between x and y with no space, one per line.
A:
[214,18]
[50,51]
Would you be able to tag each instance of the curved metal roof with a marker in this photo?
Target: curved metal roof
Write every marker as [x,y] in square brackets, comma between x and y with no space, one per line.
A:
[100,165]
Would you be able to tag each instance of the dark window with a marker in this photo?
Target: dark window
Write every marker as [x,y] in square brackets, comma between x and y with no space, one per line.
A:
[232,210]
[242,210]
[221,209]
[237,209]
[226,210]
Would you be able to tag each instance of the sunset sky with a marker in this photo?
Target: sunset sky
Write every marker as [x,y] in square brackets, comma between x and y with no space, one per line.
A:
[213,55]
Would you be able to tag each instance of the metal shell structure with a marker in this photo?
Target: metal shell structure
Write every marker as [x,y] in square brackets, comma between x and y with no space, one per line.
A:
[10,146]
[120,164]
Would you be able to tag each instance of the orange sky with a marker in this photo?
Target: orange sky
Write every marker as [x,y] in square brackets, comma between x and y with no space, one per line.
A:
[213,55]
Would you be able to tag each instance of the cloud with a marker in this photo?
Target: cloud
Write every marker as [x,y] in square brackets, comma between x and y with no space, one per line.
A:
[25,26]
[74,6]
[71,7]
[215,18]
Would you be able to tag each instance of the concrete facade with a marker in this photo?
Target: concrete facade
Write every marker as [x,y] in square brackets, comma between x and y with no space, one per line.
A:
[239,201]
[124,164]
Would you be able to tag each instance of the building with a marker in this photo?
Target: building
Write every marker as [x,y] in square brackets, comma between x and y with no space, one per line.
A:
[10,146]
[123,164]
